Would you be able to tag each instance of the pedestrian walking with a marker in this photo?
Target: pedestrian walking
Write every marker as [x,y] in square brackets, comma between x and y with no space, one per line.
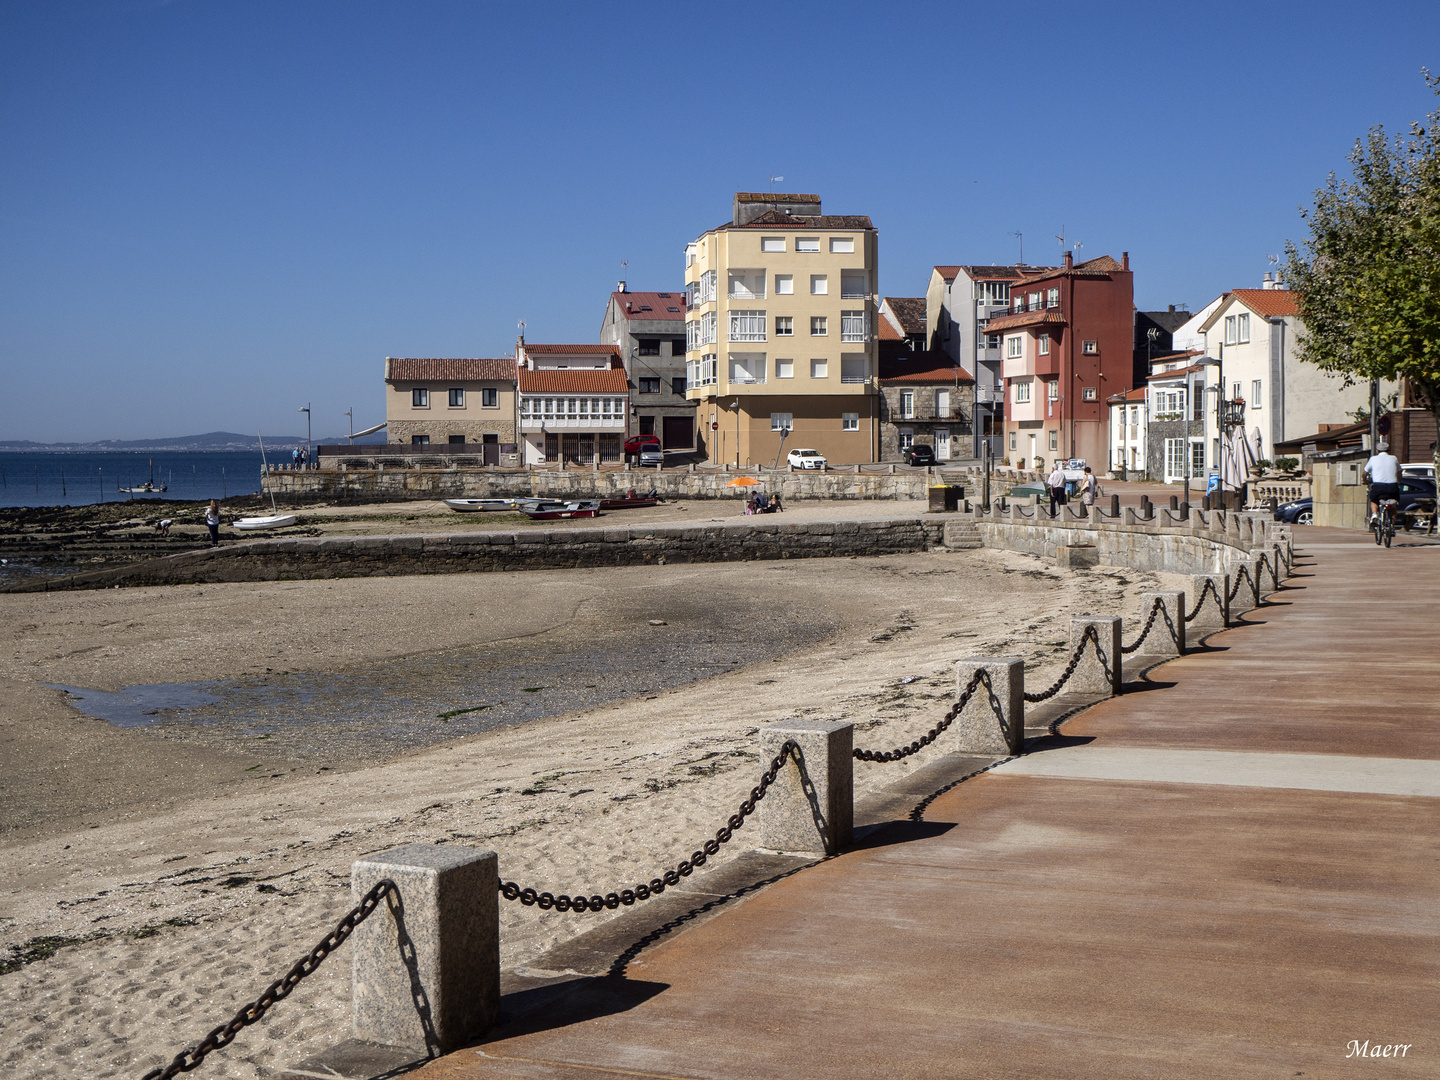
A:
[212,522]
[1055,484]
[1087,487]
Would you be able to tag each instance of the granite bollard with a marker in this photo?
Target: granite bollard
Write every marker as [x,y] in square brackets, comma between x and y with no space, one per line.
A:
[810,807]
[993,720]
[1211,609]
[1098,671]
[426,963]
[1245,583]
[1167,634]
[1269,562]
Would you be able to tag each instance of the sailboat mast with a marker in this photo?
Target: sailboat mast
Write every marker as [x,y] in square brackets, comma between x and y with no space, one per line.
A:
[266,478]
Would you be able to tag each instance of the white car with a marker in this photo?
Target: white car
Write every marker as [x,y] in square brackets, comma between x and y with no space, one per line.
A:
[806,459]
[1425,469]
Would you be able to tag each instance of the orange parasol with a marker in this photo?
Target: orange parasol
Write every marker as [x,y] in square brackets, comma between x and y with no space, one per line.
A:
[742,481]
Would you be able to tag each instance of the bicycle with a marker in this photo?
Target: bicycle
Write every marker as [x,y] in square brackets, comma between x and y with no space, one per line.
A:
[1384,521]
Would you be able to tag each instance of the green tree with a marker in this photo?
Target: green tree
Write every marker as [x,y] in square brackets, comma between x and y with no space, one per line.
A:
[1367,278]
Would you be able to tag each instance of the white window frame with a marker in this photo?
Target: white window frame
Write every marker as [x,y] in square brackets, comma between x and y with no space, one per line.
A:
[1090,348]
[1177,458]
[748,325]
[819,326]
[819,284]
[1089,393]
[820,368]
[1242,329]
[849,290]
[1042,345]
[738,286]
[1052,299]
[807,245]
[1014,347]
[782,421]
[1052,390]
[784,369]
[842,245]
[1197,466]
[853,326]
[784,284]
[1255,395]
[1033,301]
[1022,391]
[907,404]
[772,244]
[784,326]
[849,421]
[753,365]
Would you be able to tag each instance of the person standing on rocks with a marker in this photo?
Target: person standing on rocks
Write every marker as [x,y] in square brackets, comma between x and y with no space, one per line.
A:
[212,522]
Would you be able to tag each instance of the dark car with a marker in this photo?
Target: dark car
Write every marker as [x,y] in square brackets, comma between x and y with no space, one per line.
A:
[637,443]
[1298,512]
[920,454]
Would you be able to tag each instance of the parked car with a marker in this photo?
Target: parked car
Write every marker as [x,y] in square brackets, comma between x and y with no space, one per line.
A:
[1423,469]
[1296,512]
[636,443]
[651,454]
[920,454]
[806,459]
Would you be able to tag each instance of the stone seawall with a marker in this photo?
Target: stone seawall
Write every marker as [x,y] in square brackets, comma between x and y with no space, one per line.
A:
[408,484]
[451,553]
[1216,542]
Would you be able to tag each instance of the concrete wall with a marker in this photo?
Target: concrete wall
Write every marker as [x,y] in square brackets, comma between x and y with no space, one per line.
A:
[398,483]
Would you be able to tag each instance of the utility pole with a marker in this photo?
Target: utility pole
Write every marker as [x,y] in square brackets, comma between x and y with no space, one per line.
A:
[309,454]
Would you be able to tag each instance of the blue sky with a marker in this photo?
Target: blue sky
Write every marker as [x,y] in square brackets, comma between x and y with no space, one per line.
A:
[215,211]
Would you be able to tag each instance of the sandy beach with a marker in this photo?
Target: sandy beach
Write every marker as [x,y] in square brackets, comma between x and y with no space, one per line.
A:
[181,870]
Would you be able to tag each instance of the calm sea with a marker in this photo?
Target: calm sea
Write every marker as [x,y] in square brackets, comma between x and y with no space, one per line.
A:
[81,479]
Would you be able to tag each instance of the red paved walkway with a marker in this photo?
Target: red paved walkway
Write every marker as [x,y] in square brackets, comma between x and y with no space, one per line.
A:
[1057,926]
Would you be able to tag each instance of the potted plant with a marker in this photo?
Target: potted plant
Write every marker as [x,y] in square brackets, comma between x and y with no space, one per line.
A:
[1288,465]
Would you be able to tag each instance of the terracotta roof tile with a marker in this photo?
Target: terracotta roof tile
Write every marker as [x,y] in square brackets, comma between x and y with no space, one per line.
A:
[1095,268]
[885,330]
[1271,303]
[573,381]
[949,273]
[569,350]
[930,366]
[454,369]
[1138,394]
[1021,320]
[909,311]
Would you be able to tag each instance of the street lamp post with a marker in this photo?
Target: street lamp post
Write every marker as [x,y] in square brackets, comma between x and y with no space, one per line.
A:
[309,453]
[350,412]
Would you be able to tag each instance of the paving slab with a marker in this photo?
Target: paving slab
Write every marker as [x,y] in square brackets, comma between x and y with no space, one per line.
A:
[1163,921]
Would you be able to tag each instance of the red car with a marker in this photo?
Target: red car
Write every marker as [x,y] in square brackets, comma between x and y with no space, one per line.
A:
[637,443]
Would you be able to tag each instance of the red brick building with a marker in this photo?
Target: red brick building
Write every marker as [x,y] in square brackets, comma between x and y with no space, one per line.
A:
[1066,347]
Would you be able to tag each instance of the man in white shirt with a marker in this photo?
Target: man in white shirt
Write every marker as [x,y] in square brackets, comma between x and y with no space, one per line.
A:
[1383,473]
[1056,483]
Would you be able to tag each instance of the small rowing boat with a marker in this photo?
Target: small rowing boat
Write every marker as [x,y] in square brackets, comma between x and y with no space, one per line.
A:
[270,521]
[546,511]
[626,503]
[470,506]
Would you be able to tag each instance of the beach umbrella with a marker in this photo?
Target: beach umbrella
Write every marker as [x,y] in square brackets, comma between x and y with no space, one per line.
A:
[743,481]
[1236,460]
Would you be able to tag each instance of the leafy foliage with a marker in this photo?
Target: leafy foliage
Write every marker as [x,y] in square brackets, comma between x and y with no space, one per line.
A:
[1367,278]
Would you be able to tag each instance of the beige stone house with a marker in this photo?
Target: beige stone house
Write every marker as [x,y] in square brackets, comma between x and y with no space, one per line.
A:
[465,402]
[781,353]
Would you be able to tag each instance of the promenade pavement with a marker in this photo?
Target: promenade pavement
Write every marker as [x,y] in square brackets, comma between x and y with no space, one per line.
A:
[1231,871]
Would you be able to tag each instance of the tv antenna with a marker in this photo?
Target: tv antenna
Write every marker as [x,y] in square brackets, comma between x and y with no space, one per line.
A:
[1021,237]
[1061,237]
[773,181]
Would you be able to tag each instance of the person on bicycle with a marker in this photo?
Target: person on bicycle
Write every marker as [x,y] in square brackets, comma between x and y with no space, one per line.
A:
[1382,472]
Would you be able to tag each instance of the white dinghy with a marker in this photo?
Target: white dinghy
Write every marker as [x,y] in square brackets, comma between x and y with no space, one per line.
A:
[275,519]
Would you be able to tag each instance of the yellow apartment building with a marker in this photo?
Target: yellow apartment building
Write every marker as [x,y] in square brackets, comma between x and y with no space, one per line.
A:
[780,332]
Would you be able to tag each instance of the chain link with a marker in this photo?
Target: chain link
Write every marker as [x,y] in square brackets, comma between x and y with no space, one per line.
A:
[901,752]
[224,1035]
[1155,609]
[1089,636]
[580,903]
[1208,590]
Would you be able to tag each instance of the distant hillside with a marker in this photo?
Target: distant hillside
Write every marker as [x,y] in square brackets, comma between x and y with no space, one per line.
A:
[212,442]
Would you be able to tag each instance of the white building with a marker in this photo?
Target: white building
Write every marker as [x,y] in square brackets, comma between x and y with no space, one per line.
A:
[574,403]
[1128,418]
[1252,334]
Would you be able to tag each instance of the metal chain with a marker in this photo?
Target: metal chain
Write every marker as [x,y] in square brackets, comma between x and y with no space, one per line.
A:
[919,744]
[1155,610]
[1208,590]
[1089,636]
[222,1036]
[580,903]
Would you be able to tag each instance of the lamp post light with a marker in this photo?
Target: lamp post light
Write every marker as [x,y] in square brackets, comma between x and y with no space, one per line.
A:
[308,452]
[350,412]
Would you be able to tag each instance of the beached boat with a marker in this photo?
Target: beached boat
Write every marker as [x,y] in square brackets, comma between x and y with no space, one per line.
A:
[470,506]
[628,503]
[546,511]
[270,521]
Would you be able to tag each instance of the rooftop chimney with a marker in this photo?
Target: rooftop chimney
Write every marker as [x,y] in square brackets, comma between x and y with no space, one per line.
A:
[1124,260]
[1172,309]
[1069,260]
[749,205]
[1268,283]
[620,287]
